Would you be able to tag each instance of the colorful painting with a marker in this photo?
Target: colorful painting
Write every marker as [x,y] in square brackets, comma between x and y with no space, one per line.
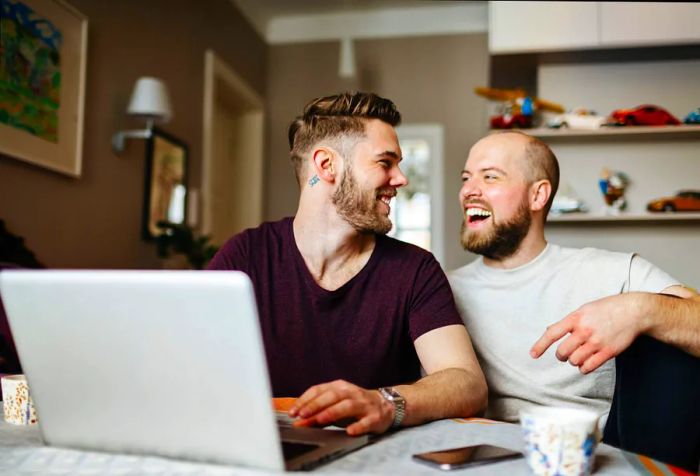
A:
[43,51]
[30,70]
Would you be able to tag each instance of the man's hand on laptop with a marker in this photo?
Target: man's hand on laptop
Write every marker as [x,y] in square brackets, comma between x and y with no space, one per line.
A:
[339,402]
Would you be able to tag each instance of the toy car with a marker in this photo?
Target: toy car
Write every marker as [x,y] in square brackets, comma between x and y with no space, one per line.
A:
[646,115]
[693,117]
[578,118]
[683,201]
[510,121]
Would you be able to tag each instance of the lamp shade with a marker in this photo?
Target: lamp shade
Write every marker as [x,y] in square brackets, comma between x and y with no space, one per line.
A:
[150,99]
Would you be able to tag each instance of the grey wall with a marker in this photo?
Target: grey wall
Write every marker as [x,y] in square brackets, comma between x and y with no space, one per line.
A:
[429,78]
[95,221]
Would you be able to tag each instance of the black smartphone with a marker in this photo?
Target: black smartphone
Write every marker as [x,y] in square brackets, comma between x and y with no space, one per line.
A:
[457,458]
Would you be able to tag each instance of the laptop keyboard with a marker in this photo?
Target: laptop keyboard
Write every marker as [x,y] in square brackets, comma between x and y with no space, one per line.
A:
[294,449]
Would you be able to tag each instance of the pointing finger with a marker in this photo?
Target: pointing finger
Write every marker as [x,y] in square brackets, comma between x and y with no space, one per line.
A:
[550,336]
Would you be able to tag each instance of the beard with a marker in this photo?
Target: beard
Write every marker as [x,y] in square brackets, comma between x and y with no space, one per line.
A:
[502,240]
[359,207]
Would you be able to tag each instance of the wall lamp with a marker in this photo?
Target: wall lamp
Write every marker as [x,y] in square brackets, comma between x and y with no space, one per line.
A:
[149,101]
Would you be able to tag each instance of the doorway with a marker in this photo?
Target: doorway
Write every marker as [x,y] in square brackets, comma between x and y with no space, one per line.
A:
[232,167]
[417,213]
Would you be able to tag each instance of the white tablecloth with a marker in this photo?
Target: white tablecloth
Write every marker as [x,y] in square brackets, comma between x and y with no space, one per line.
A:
[22,452]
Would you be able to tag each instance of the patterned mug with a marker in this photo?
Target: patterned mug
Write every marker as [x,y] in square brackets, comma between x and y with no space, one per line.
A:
[17,403]
[559,441]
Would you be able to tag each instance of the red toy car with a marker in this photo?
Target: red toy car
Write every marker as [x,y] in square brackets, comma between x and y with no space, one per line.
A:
[511,121]
[646,115]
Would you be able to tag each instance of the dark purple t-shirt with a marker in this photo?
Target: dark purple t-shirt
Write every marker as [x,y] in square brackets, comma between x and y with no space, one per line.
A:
[362,332]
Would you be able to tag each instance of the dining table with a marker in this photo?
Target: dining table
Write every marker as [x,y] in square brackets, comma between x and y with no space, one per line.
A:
[23,452]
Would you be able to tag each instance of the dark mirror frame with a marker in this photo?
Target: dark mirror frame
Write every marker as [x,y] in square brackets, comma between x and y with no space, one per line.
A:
[161,184]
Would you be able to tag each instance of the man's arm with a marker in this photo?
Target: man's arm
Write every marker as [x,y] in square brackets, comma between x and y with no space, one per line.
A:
[453,387]
[602,329]
[674,321]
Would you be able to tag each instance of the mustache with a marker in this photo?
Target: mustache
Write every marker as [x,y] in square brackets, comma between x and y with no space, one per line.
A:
[481,203]
[390,192]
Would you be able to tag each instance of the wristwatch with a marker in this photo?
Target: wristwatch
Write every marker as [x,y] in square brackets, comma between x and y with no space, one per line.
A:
[392,396]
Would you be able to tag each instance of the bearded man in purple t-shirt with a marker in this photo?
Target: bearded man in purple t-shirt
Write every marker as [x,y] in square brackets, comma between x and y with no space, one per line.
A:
[349,316]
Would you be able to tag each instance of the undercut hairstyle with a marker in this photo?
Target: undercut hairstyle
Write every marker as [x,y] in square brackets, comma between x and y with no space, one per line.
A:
[540,164]
[338,120]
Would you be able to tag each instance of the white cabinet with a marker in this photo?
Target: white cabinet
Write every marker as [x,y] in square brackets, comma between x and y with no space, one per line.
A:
[542,26]
[653,23]
[519,27]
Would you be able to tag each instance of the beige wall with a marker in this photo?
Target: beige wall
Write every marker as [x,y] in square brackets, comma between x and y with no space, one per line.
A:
[429,78]
[95,221]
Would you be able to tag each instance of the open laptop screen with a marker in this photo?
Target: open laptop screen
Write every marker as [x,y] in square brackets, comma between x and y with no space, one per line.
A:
[156,362]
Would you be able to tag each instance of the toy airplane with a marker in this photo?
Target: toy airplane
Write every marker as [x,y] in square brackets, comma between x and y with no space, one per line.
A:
[519,108]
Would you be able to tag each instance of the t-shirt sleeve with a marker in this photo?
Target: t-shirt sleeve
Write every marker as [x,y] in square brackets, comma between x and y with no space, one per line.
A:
[644,276]
[433,305]
[232,256]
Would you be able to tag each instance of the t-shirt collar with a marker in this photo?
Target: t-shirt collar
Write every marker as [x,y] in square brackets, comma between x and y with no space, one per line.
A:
[526,268]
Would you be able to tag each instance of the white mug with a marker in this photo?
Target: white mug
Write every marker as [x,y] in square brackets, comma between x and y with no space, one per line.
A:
[559,441]
[16,402]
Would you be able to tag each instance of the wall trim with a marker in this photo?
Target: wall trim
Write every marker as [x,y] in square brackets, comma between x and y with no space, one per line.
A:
[216,70]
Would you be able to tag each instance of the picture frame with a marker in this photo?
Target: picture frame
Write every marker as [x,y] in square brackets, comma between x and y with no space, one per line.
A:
[165,191]
[42,86]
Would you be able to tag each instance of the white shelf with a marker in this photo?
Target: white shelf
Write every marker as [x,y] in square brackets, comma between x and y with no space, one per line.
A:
[652,132]
[632,133]
[623,217]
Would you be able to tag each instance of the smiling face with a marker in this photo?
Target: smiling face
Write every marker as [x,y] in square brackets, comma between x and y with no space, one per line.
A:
[370,178]
[494,197]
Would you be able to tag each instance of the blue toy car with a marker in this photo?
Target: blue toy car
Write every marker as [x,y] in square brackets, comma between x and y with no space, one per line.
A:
[693,117]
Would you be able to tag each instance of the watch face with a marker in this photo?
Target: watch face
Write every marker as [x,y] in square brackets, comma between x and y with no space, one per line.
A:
[393,393]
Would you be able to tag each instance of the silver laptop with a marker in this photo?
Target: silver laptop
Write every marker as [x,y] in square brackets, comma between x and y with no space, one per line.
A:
[155,362]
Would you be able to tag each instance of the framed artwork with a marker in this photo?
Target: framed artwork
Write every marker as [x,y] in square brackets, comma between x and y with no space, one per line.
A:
[165,195]
[42,83]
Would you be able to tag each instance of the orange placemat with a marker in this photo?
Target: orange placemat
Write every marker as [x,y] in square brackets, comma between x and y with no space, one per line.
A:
[283,404]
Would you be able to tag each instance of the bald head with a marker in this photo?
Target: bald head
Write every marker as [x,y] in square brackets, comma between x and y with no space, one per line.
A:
[535,158]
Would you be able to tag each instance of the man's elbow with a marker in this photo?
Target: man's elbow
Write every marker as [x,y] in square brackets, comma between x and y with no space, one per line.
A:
[477,392]
[483,396]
